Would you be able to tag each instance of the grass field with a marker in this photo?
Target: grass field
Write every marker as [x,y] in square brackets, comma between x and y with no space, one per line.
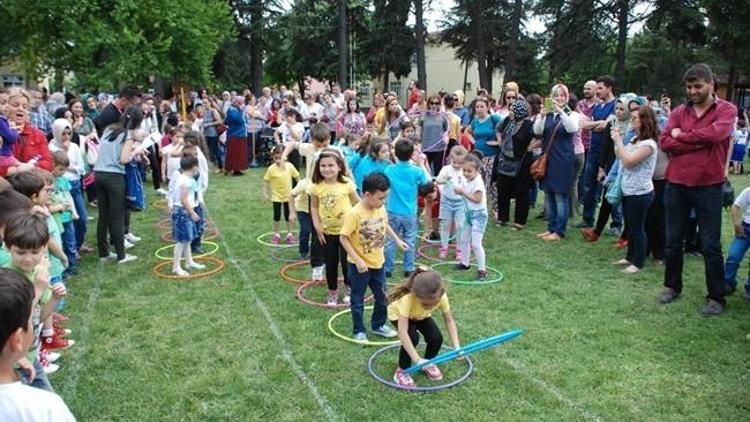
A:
[239,346]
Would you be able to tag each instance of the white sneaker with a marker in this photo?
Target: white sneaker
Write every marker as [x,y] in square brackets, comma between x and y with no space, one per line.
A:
[161,191]
[317,273]
[127,244]
[52,357]
[196,266]
[348,296]
[360,337]
[130,237]
[128,258]
[385,331]
[50,368]
[111,256]
[179,272]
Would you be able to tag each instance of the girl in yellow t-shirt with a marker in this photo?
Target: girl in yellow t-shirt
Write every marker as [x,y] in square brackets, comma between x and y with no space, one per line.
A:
[332,194]
[410,309]
[279,177]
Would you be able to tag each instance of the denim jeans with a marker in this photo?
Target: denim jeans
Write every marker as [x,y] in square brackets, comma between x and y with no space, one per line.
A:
[736,253]
[81,225]
[405,227]
[40,379]
[305,227]
[199,227]
[214,152]
[69,245]
[707,203]
[636,207]
[58,280]
[359,282]
[556,210]
[591,186]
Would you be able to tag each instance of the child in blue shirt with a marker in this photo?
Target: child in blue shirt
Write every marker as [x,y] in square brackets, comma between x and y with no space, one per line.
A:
[378,158]
[405,178]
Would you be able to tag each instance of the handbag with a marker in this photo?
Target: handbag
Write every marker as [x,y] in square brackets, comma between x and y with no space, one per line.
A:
[539,167]
[614,190]
[221,128]
[506,166]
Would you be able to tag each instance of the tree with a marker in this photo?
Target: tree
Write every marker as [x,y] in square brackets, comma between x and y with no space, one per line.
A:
[419,37]
[388,43]
[729,35]
[343,42]
[515,30]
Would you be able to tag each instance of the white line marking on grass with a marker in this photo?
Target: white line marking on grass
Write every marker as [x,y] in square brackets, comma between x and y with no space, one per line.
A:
[553,391]
[286,353]
[82,345]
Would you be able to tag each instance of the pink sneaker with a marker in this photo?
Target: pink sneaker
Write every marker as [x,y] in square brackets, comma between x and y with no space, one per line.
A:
[276,239]
[458,255]
[290,239]
[333,297]
[433,372]
[443,253]
[403,380]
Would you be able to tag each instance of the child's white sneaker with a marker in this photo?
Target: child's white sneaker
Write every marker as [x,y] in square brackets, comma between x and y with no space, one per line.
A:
[127,244]
[317,273]
[130,237]
[195,266]
[128,258]
[333,297]
[179,272]
[348,296]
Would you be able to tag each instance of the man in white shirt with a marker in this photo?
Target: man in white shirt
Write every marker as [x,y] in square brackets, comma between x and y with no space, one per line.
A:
[310,109]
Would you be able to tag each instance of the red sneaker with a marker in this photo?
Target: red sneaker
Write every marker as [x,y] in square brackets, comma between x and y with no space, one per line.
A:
[433,372]
[60,331]
[403,379]
[621,243]
[589,235]
[59,318]
[56,342]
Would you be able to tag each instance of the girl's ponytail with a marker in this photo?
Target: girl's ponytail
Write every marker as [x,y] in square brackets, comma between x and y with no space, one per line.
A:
[423,274]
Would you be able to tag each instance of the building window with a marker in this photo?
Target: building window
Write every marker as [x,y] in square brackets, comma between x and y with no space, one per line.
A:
[10,81]
[468,86]
[363,91]
[396,87]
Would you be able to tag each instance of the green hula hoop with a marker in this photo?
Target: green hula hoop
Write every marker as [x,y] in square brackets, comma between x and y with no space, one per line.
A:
[260,240]
[500,276]
[214,246]
[350,339]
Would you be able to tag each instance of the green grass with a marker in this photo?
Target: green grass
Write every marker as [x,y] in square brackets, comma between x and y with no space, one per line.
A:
[239,346]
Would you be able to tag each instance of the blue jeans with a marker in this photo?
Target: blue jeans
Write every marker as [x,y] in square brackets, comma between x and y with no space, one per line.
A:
[199,227]
[40,379]
[359,282]
[81,225]
[591,186]
[58,280]
[556,210]
[305,228]
[707,203]
[405,227]
[736,253]
[69,245]
[636,207]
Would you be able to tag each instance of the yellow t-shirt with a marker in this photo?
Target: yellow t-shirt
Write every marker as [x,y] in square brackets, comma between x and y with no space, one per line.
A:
[333,203]
[408,306]
[454,127]
[308,151]
[301,198]
[280,180]
[366,230]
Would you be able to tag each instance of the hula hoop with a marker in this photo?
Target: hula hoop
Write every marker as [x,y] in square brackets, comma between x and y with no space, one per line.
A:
[426,239]
[219,266]
[429,389]
[350,339]
[214,246]
[289,279]
[160,204]
[307,301]
[166,224]
[275,255]
[421,251]
[209,234]
[500,276]
[272,245]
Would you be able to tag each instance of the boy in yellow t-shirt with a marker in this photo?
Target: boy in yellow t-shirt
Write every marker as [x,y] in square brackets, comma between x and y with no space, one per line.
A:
[363,237]
[279,177]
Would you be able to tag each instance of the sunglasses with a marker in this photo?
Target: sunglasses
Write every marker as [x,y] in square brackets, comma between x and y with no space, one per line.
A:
[434,103]
[510,98]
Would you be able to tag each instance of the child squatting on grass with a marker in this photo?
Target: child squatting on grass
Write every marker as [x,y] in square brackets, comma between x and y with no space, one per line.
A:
[410,308]
[363,237]
[279,178]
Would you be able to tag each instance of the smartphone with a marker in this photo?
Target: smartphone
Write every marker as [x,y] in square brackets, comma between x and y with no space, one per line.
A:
[548,104]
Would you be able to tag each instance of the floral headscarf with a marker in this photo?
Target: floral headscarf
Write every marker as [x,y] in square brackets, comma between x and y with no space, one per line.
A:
[562,89]
[238,101]
[520,109]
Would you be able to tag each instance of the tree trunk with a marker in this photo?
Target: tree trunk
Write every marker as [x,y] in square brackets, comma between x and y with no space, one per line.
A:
[343,46]
[386,80]
[731,82]
[419,35]
[515,23]
[623,16]
[466,76]
[479,38]
[256,48]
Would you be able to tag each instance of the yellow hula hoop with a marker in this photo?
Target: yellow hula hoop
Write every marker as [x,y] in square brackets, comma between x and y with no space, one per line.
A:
[350,339]
[160,204]
[214,246]
[219,266]
[207,235]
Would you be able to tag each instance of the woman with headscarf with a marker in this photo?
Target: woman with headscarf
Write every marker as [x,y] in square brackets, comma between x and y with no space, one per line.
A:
[608,166]
[89,106]
[378,102]
[557,128]
[513,162]
[236,159]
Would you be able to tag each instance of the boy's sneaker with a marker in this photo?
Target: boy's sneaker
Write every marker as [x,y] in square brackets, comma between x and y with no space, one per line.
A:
[443,253]
[347,295]
[49,367]
[195,266]
[403,379]
[317,273]
[50,357]
[179,272]
[385,331]
[360,337]
[56,342]
[62,332]
[481,275]
[290,239]
[461,267]
[130,237]
[128,258]
[127,244]
[433,372]
[333,296]
[109,257]
[276,239]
